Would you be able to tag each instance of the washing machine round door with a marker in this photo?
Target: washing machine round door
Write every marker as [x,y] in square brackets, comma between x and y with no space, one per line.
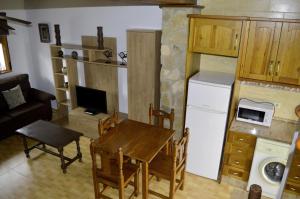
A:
[272,169]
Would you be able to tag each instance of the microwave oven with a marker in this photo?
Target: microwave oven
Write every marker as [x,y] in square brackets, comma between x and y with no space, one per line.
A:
[260,113]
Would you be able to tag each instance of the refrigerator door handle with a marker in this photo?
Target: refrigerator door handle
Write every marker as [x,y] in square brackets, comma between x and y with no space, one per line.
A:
[205,109]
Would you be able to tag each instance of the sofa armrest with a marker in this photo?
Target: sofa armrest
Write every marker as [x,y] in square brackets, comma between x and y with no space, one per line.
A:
[40,95]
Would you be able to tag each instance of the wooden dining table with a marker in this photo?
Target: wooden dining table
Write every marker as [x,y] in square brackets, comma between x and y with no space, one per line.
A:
[138,141]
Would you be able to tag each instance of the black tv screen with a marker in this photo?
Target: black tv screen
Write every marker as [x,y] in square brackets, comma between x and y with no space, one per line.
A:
[93,100]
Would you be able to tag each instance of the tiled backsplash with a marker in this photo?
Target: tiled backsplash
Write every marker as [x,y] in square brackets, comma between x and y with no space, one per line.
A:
[285,99]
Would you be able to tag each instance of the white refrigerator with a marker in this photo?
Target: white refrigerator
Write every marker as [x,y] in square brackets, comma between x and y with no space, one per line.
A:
[207,108]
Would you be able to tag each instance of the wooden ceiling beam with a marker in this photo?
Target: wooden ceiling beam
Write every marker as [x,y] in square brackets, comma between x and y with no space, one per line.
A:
[38,4]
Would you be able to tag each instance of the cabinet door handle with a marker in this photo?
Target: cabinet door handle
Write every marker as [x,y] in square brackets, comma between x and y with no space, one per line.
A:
[271,67]
[296,177]
[235,173]
[236,41]
[277,68]
[241,139]
[293,189]
[239,151]
[298,165]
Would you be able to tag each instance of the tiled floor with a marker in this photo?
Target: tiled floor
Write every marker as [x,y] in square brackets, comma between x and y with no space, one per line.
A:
[41,177]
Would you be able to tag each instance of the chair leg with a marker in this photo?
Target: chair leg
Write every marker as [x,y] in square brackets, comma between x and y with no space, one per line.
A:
[121,192]
[97,190]
[182,179]
[172,186]
[136,184]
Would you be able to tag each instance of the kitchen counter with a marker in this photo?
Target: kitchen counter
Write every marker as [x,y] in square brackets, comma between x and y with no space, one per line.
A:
[279,130]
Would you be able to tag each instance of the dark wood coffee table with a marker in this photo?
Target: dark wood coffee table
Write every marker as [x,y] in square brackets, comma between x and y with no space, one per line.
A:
[47,133]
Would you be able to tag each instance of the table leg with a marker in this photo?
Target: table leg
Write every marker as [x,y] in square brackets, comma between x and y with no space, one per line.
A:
[26,150]
[145,180]
[79,155]
[63,164]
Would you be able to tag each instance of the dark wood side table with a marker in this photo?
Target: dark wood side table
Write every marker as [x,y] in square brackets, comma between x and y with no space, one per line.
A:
[47,133]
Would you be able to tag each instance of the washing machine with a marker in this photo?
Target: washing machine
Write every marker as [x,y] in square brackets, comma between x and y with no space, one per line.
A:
[269,161]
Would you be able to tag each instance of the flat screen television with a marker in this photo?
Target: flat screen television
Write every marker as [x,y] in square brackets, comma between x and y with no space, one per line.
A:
[93,100]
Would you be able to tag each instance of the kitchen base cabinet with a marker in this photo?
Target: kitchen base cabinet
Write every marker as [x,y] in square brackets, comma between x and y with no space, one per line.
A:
[293,181]
[238,155]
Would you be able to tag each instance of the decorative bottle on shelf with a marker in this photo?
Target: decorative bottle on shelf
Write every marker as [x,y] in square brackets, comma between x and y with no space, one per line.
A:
[100,37]
[64,70]
[57,35]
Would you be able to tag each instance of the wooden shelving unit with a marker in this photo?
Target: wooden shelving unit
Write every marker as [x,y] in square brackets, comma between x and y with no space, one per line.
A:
[143,72]
[97,61]
[100,72]
[66,97]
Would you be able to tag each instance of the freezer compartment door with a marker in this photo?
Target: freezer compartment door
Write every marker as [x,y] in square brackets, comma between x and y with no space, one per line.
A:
[208,96]
[207,131]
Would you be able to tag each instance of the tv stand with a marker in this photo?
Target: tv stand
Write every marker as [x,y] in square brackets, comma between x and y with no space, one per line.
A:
[85,123]
[91,111]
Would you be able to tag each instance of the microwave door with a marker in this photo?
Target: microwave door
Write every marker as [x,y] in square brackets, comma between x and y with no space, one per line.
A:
[248,114]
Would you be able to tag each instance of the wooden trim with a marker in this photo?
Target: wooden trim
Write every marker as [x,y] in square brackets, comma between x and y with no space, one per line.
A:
[37,4]
[274,19]
[268,82]
[3,40]
[217,17]
[243,18]
[181,6]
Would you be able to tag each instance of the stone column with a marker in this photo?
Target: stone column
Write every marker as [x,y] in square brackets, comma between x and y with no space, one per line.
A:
[173,57]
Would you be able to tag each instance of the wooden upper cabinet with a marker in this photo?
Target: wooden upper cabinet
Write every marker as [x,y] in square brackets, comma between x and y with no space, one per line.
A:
[215,36]
[261,50]
[287,69]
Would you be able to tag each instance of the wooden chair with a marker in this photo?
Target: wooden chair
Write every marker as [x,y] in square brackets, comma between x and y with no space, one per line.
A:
[105,125]
[170,166]
[112,172]
[161,116]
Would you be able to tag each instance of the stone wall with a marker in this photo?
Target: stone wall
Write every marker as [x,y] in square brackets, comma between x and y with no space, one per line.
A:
[173,57]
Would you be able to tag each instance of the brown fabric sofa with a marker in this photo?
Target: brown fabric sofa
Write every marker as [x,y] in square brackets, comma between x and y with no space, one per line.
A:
[37,106]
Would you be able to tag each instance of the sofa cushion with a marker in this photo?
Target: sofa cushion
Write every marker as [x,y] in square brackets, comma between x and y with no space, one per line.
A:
[3,104]
[25,109]
[28,113]
[4,119]
[5,125]
[14,97]
[10,82]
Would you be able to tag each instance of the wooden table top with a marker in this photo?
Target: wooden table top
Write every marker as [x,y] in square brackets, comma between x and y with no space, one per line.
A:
[138,140]
[49,133]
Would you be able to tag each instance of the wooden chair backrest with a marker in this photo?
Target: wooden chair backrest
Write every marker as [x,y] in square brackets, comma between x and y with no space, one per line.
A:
[105,125]
[107,159]
[161,117]
[180,150]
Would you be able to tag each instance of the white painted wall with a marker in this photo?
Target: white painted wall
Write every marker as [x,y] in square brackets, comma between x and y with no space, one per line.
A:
[75,22]
[19,47]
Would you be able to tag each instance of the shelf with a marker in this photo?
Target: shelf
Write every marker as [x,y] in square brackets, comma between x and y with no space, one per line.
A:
[60,74]
[65,103]
[99,61]
[79,47]
[113,63]
[63,89]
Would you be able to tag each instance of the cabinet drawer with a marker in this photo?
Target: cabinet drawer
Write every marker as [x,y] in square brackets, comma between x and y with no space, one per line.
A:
[239,162]
[294,175]
[292,187]
[239,150]
[296,163]
[242,138]
[235,173]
